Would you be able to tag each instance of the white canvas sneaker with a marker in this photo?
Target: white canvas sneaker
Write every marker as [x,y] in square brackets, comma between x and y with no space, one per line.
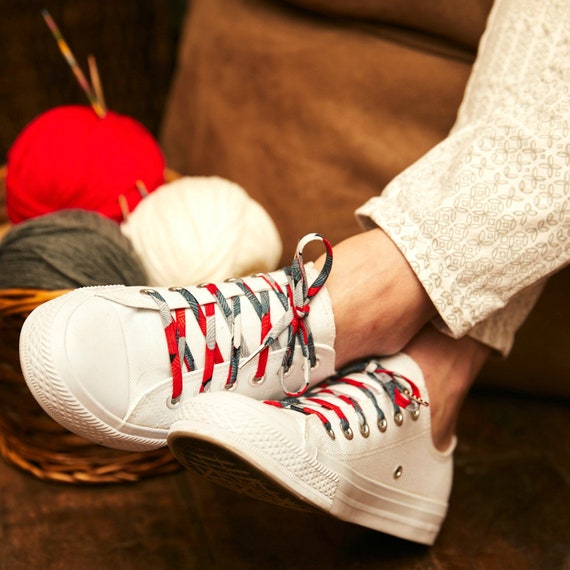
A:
[112,364]
[358,446]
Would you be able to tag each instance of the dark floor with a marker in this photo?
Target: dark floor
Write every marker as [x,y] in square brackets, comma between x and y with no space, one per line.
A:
[509,509]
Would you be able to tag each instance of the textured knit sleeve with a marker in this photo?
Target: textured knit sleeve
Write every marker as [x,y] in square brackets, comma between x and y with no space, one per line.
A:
[485,214]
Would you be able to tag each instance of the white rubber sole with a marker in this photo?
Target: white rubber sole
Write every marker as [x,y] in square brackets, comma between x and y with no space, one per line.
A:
[43,377]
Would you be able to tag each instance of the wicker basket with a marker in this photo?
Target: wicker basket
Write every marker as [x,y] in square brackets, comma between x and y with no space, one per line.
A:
[29,438]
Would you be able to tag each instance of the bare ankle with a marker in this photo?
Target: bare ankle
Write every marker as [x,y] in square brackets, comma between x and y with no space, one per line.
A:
[450,367]
[378,302]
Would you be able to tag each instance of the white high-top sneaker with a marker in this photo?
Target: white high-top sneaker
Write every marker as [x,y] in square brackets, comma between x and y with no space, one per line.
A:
[113,364]
[357,446]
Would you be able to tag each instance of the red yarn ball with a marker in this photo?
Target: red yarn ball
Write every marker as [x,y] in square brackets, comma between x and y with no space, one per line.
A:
[69,157]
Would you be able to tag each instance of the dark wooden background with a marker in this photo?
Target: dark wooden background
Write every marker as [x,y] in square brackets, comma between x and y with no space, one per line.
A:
[133,41]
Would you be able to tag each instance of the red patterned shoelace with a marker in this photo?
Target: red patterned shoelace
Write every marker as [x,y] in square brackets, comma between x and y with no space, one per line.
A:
[295,300]
[371,379]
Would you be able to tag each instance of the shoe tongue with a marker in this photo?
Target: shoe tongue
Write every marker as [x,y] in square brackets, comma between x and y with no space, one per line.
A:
[407,369]
[406,366]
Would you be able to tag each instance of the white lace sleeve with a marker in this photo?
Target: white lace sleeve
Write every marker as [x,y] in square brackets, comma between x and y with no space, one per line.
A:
[486,213]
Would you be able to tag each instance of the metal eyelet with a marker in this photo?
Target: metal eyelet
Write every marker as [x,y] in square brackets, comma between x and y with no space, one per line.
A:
[398,472]
[175,289]
[172,403]
[330,432]
[364,430]
[348,433]
[287,373]
[399,418]
[416,413]
[146,291]
[230,387]
[231,280]
[257,380]
[312,368]
[202,285]
[382,425]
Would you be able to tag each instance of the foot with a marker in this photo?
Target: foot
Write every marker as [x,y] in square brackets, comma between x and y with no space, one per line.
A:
[358,446]
[112,364]
[450,366]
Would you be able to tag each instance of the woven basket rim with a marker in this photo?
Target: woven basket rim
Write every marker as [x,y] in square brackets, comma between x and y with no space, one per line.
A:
[17,302]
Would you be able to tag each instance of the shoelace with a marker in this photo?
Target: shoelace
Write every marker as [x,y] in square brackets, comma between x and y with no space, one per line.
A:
[332,396]
[295,301]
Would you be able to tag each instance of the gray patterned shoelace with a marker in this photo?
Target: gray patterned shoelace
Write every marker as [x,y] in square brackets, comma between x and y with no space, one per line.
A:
[295,300]
[372,380]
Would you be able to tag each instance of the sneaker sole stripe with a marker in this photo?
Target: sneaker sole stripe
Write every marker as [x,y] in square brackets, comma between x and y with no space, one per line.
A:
[258,474]
[232,471]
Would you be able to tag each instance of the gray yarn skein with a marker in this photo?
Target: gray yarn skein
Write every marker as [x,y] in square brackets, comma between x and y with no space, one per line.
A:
[66,250]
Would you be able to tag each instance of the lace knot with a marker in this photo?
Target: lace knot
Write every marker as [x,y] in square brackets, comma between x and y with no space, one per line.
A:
[296,306]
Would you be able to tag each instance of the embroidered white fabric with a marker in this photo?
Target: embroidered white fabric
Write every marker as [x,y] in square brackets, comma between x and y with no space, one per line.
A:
[484,217]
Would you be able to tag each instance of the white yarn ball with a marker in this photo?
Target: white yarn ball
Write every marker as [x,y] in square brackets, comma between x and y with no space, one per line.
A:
[202,229]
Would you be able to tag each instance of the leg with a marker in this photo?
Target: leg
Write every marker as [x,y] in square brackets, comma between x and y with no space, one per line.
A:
[446,214]
[378,303]
[392,469]
[360,446]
